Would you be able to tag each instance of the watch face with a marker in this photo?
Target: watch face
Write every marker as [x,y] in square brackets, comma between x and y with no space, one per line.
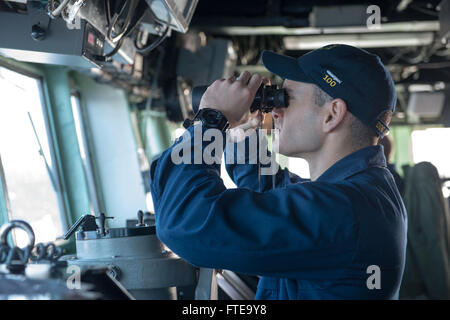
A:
[212,117]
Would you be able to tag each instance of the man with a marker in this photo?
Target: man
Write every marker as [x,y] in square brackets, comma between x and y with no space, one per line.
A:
[388,146]
[341,235]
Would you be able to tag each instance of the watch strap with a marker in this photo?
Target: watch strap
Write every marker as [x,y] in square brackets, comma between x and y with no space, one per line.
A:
[210,118]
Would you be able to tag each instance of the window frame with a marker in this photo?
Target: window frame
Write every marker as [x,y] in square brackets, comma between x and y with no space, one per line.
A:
[5,206]
[95,196]
[38,74]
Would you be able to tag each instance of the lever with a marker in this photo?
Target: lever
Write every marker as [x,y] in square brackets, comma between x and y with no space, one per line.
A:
[102,219]
[141,221]
[86,223]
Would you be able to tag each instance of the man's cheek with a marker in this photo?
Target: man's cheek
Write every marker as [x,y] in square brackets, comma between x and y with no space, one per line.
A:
[282,141]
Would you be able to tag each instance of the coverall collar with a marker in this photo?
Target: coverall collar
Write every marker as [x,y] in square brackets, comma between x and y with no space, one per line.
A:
[354,163]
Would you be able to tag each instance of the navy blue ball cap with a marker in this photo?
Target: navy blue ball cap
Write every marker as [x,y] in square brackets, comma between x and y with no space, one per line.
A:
[352,74]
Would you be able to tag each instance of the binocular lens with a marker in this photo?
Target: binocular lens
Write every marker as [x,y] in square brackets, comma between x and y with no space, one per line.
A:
[266,98]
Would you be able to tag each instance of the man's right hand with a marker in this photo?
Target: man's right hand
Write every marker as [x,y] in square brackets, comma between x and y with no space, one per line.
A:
[232,97]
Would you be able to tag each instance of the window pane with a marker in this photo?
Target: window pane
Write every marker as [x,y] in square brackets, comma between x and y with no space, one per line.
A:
[31,193]
[432,145]
[82,146]
[78,127]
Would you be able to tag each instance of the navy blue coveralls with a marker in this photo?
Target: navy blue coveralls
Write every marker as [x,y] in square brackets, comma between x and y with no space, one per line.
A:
[307,240]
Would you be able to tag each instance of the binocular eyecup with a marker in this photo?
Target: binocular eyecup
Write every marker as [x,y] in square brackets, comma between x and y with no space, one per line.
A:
[266,99]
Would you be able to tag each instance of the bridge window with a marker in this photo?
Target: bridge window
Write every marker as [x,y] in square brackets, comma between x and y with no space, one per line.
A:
[432,145]
[27,163]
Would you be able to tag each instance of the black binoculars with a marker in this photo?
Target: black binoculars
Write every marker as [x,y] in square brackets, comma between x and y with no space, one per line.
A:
[266,98]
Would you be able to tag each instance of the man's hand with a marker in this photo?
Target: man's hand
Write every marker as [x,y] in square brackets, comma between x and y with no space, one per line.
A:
[232,97]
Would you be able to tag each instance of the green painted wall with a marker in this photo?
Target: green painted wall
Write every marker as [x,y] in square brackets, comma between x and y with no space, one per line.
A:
[402,146]
[156,133]
[3,208]
[73,182]
[114,149]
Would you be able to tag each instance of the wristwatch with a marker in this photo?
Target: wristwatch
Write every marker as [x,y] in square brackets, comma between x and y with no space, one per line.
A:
[210,118]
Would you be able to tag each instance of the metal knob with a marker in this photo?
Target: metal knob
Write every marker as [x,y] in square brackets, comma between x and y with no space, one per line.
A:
[140,218]
[101,223]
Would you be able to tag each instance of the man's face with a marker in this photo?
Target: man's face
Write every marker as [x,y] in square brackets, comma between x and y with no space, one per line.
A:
[299,124]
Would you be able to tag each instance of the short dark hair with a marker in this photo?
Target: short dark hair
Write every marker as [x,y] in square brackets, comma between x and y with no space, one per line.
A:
[320,97]
[362,134]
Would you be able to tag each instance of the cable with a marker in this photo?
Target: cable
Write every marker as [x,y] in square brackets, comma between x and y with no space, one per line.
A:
[108,12]
[127,22]
[443,52]
[114,51]
[146,50]
[132,26]
[56,12]
[274,175]
[159,20]
[424,10]
[9,5]
[258,133]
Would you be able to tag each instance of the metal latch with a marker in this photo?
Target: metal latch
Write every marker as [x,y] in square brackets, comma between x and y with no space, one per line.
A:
[86,223]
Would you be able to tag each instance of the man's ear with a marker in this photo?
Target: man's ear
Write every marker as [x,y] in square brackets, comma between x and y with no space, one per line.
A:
[335,112]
